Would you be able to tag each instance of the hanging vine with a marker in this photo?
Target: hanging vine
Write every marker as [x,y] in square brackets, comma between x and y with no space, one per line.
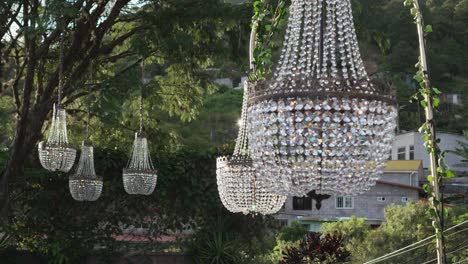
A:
[429,98]
[267,20]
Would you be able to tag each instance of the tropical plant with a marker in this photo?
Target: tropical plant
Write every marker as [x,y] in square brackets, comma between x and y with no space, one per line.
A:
[216,246]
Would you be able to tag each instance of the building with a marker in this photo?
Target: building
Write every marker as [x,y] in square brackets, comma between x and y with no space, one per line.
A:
[224,82]
[398,185]
[410,146]
[451,98]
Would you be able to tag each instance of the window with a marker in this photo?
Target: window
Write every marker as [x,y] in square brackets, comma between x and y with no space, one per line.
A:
[401,155]
[302,203]
[344,202]
[411,152]
[404,199]
[381,199]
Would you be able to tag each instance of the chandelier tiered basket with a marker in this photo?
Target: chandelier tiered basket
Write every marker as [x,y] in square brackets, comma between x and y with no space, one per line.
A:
[84,184]
[140,176]
[320,123]
[56,154]
[237,184]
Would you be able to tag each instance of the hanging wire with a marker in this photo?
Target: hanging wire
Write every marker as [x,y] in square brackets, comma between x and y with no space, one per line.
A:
[60,84]
[88,110]
[142,83]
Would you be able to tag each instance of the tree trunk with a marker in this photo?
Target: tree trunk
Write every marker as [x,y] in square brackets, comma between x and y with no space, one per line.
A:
[24,144]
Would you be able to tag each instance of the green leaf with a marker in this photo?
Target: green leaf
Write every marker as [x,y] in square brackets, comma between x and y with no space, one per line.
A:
[408,3]
[422,128]
[424,104]
[426,188]
[436,91]
[449,174]
[418,65]
[430,178]
[418,77]
[435,102]
[428,29]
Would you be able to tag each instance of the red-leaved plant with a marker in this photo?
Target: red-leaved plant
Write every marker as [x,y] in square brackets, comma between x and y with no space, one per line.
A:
[316,248]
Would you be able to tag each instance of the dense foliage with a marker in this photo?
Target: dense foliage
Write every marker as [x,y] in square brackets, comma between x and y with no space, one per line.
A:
[403,226]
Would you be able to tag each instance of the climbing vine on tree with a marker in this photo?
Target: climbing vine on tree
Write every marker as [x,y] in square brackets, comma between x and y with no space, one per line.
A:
[269,16]
[428,96]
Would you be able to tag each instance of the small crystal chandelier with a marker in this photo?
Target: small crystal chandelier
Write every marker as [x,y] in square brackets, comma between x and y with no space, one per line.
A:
[236,178]
[320,123]
[84,184]
[56,154]
[139,177]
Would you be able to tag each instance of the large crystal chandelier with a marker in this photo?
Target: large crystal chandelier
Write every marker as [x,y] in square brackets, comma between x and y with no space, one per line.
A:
[237,184]
[56,154]
[84,184]
[320,123]
[139,177]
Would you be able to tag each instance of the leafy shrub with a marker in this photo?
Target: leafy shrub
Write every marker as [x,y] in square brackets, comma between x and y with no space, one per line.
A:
[216,246]
[294,232]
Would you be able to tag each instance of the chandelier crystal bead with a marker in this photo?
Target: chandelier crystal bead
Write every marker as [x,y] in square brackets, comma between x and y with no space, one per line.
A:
[320,123]
[56,154]
[84,184]
[236,178]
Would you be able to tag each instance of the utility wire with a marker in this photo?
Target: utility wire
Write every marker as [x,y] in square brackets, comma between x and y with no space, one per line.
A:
[462,261]
[410,260]
[453,251]
[405,249]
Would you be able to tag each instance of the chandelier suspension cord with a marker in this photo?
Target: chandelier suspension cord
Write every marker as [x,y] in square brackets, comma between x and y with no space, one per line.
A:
[61,59]
[142,83]
[88,110]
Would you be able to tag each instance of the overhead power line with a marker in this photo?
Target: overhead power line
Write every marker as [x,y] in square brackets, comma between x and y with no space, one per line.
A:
[410,247]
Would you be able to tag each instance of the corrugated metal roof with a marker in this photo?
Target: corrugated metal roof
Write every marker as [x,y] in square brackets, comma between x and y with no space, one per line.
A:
[403,165]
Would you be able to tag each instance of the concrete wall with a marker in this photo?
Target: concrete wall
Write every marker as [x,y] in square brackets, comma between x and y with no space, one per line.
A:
[406,178]
[365,205]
